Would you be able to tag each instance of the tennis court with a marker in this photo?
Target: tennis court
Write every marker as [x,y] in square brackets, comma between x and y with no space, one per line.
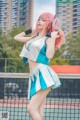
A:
[62,103]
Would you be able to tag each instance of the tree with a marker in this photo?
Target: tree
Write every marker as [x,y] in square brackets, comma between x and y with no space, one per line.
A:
[9,48]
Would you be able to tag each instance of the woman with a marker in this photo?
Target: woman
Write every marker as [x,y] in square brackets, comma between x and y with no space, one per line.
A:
[38,49]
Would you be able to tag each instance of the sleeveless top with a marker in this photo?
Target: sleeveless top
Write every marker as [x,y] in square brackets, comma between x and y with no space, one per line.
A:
[36,51]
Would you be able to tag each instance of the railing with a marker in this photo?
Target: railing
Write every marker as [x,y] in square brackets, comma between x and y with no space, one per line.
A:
[12,65]
[17,65]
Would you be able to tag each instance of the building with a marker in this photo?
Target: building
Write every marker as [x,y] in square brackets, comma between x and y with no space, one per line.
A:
[76,16]
[26,12]
[69,15]
[15,13]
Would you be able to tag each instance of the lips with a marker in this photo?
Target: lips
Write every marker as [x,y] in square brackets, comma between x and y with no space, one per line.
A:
[39,24]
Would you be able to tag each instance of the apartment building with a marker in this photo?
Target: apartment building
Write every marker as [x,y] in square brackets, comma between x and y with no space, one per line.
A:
[69,15]
[15,13]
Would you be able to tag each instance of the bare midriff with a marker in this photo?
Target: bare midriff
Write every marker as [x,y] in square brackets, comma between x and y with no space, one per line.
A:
[32,64]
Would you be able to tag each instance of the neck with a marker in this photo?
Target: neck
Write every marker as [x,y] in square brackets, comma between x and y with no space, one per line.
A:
[40,33]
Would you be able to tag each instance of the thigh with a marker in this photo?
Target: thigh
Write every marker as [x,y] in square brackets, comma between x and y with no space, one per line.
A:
[38,98]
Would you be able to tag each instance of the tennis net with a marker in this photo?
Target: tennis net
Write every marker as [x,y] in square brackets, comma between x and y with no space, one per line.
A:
[62,103]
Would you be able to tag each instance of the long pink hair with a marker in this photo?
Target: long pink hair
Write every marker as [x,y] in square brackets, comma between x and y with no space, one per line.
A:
[52,24]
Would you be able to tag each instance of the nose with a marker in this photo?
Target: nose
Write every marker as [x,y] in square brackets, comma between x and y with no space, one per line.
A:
[39,22]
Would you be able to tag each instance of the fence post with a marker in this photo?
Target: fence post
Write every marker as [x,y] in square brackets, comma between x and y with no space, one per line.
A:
[5,64]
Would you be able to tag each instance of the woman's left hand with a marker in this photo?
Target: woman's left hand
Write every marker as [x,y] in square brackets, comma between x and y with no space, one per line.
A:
[55,34]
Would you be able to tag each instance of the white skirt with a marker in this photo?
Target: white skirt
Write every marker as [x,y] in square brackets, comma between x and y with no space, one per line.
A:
[42,77]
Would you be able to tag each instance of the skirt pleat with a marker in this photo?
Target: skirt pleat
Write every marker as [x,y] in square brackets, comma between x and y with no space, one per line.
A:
[42,77]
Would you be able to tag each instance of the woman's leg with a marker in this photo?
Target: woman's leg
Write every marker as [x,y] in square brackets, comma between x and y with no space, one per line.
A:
[41,108]
[35,103]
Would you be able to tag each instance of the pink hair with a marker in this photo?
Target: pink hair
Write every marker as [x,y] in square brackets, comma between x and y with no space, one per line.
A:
[50,27]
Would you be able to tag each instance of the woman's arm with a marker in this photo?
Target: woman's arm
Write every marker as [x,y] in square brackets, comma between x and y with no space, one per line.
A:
[20,37]
[51,45]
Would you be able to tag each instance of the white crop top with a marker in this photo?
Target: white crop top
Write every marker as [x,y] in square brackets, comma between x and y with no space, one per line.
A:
[36,51]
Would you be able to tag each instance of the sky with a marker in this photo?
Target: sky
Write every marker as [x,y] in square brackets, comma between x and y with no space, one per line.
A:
[41,6]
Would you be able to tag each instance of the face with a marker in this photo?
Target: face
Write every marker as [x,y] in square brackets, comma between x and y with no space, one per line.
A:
[41,23]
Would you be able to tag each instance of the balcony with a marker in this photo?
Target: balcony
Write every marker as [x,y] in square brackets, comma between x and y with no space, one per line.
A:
[3,1]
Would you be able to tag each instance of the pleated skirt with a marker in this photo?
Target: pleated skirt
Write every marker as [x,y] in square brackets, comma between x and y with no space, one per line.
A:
[42,77]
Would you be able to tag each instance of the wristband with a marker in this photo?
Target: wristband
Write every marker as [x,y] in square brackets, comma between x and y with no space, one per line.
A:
[48,34]
[28,31]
